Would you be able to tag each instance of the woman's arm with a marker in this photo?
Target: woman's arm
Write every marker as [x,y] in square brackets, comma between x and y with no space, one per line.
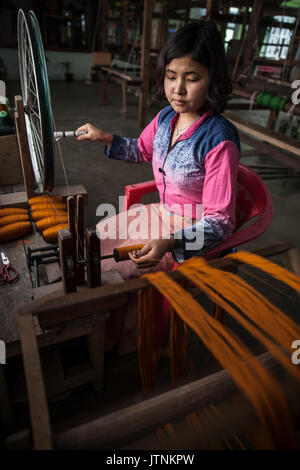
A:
[94,134]
[123,148]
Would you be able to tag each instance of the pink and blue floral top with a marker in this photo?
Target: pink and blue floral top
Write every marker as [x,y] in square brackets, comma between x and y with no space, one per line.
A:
[199,169]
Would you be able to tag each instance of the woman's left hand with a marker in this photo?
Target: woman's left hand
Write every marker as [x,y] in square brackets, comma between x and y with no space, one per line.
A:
[151,253]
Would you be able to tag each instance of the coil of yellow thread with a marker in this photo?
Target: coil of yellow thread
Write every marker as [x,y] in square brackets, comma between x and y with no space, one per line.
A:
[51,234]
[47,222]
[49,205]
[41,214]
[13,231]
[11,219]
[44,199]
[12,210]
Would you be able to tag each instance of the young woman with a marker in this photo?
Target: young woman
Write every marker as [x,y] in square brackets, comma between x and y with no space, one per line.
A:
[194,151]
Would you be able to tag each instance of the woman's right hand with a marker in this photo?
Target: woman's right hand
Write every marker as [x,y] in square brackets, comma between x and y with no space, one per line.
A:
[94,134]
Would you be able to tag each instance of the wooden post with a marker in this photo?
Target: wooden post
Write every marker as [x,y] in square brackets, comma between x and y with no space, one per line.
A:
[39,413]
[145,63]
[71,215]
[125,27]
[252,33]
[243,42]
[273,115]
[67,252]
[24,147]
[96,350]
[211,10]
[104,99]
[105,8]
[80,240]
[124,89]
[93,258]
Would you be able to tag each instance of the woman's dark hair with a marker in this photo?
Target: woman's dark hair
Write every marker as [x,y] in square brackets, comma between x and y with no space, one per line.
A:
[204,43]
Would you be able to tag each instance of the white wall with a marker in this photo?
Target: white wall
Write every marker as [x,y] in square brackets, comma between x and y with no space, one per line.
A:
[80,63]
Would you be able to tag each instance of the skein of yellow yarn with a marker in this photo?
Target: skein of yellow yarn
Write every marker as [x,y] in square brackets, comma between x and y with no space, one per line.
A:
[47,222]
[41,214]
[11,219]
[49,205]
[13,231]
[12,210]
[43,199]
[51,234]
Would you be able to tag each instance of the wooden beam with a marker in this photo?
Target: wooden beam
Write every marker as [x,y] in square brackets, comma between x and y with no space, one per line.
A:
[268,135]
[120,427]
[271,151]
[39,414]
[117,73]
[252,33]
[20,198]
[25,157]
[145,62]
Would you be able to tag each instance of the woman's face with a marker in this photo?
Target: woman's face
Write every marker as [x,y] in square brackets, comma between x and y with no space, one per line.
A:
[186,83]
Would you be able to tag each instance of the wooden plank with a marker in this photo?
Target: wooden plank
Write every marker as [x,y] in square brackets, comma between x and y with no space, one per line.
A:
[74,190]
[57,310]
[39,414]
[268,135]
[117,73]
[271,151]
[20,199]
[14,199]
[145,62]
[25,157]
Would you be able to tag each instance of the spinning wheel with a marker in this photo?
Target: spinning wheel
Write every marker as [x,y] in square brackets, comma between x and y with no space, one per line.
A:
[36,99]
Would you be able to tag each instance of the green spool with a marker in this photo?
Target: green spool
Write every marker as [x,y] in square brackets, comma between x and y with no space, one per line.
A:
[271,101]
[3,114]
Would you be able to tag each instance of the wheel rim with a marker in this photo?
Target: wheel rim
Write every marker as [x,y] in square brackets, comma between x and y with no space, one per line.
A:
[36,98]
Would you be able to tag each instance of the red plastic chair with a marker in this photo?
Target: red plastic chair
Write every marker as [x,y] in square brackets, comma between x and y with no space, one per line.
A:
[253,200]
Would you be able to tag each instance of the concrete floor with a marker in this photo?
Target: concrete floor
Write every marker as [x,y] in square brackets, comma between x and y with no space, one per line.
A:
[77,103]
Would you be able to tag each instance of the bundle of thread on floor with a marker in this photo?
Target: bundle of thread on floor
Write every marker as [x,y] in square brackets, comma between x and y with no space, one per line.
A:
[50,215]
[266,323]
[14,223]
